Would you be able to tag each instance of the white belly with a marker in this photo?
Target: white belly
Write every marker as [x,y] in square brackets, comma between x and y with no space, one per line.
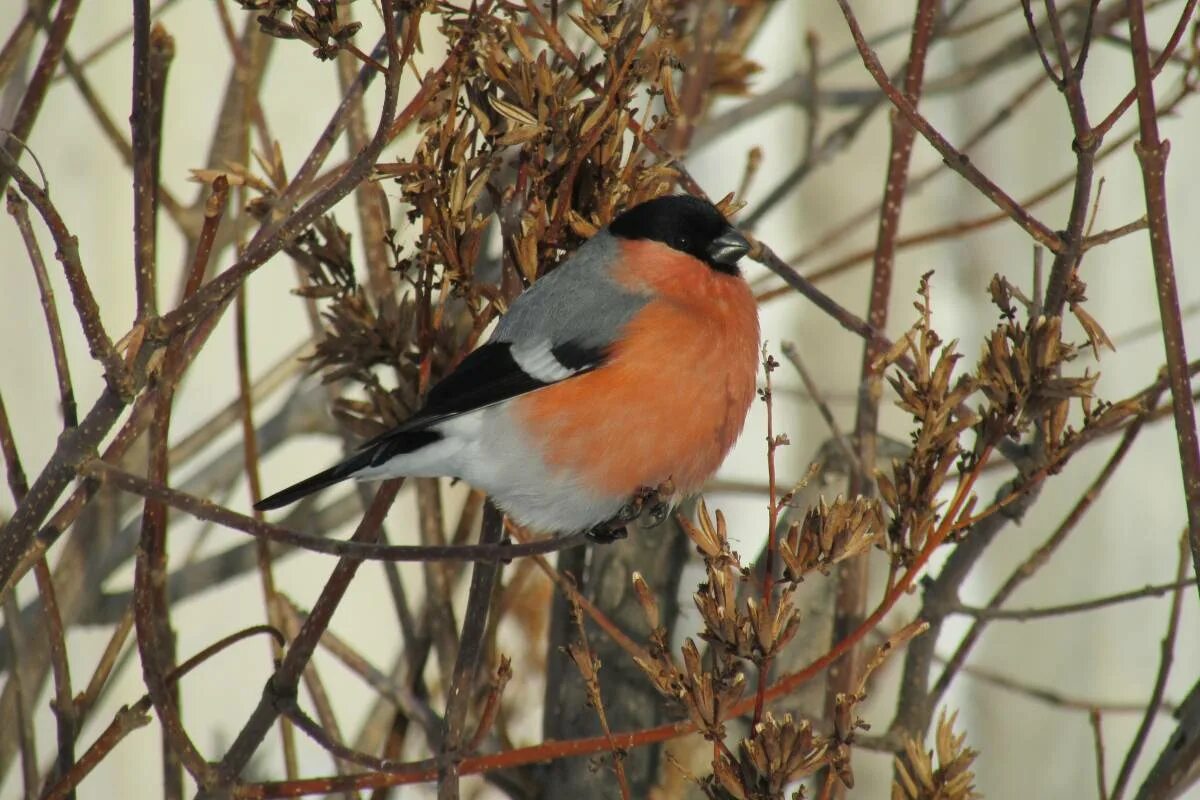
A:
[485,449]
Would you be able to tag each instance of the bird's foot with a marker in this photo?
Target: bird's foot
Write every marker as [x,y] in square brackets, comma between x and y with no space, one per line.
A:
[656,513]
[608,532]
[631,510]
[651,505]
[657,502]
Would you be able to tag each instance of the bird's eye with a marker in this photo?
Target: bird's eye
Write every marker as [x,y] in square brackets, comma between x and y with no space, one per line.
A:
[682,243]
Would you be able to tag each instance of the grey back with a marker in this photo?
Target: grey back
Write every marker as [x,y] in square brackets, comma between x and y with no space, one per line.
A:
[579,302]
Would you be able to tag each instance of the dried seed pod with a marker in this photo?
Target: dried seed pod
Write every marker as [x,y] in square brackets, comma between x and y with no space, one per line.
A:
[831,533]
[776,753]
[918,779]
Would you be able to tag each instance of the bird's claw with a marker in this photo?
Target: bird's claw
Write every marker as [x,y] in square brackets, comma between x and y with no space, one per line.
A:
[657,512]
[652,505]
[657,502]
[608,532]
[631,510]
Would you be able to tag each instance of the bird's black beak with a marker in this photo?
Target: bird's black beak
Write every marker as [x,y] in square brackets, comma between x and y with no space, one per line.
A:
[727,248]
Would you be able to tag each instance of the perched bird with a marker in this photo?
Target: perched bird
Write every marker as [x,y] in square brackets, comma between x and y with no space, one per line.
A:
[632,365]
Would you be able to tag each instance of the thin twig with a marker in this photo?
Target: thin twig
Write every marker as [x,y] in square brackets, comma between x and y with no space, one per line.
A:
[152,54]
[370,200]
[130,718]
[1111,235]
[395,692]
[91,98]
[108,659]
[13,470]
[769,365]
[1027,614]
[67,252]
[66,714]
[1166,657]
[316,692]
[287,676]
[204,509]
[1152,153]
[585,659]
[39,85]
[1070,84]
[66,393]
[1038,558]
[153,51]
[253,480]
[115,40]
[155,638]
[792,354]
[850,601]
[27,737]
[470,650]
[127,720]
[439,581]
[330,744]
[954,158]
[1168,51]
[1098,739]
[1053,697]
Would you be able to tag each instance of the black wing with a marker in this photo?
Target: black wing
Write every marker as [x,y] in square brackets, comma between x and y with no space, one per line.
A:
[488,375]
[491,374]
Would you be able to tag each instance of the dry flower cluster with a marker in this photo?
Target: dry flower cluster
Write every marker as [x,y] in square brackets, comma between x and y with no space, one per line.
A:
[742,635]
[918,779]
[1020,376]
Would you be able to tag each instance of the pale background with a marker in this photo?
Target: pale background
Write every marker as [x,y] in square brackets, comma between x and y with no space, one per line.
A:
[1126,541]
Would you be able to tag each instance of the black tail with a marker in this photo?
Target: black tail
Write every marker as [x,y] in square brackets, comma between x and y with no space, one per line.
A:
[372,454]
[315,483]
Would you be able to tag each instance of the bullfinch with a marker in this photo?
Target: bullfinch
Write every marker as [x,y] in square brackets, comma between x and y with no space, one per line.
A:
[631,365]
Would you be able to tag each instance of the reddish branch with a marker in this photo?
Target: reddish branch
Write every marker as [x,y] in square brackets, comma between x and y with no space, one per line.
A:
[425,771]
[852,575]
[768,581]
[1163,57]
[153,51]
[1152,152]
[955,159]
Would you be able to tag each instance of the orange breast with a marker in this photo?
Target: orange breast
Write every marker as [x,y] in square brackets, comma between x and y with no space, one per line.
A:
[672,399]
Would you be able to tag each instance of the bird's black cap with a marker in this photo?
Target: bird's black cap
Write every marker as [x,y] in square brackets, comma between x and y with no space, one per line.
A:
[687,224]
